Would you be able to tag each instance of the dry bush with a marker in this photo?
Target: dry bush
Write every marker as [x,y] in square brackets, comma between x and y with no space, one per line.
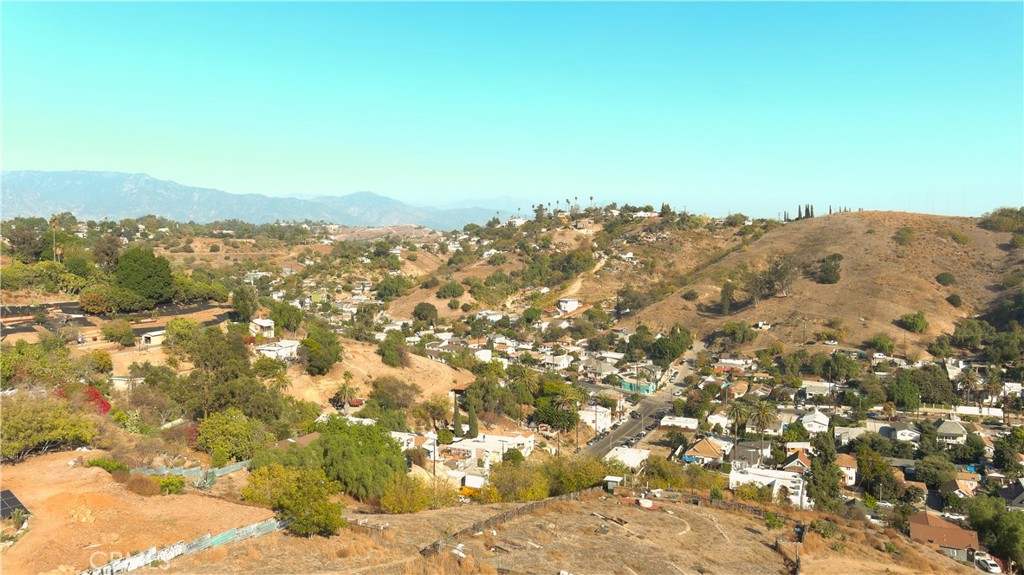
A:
[357,546]
[121,476]
[143,485]
[814,544]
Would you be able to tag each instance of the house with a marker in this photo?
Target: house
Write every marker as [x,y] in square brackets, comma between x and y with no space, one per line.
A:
[704,452]
[951,432]
[154,337]
[687,423]
[568,305]
[815,422]
[950,538]
[904,431]
[261,327]
[628,456]
[558,362]
[751,453]
[597,417]
[1013,494]
[638,386]
[718,417]
[848,465]
[813,389]
[798,462]
[793,483]
[302,441]
[847,434]
[284,350]
[957,487]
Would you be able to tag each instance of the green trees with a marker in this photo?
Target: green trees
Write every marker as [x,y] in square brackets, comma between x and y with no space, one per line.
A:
[243,301]
[361,458]
[105,299]
[107,251]
[39,425]
[449,290]
[829,270]
[393,287]
[425,311]
[519,482]
[392,350]
[320,350]
[945,279]
[728,298]
[119,331]
[998,528]
[762,416]
[739,332]
[142,272]
[306,504]
[914,322]
[825,477]
[904,392]
[881,342]
[404,494]
[286,316]
[935,470]
[230,435]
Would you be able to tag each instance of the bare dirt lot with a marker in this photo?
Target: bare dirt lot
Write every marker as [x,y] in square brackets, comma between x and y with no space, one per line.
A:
[81,514]
[362,361]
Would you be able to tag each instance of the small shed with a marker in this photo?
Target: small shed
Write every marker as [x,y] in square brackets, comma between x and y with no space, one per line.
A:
[154,337]
[611,482]
[9,503]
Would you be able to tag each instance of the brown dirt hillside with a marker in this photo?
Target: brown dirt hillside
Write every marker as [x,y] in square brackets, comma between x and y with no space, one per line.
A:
[880,279]
[402,307]
[363,362]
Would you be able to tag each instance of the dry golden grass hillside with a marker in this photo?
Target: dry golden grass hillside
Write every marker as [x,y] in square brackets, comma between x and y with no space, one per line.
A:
[880,280]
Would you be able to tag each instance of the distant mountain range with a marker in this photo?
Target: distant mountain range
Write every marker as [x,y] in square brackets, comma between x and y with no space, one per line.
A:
[116,195]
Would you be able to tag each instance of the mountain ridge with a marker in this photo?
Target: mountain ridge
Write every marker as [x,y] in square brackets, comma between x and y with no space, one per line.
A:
[117,195]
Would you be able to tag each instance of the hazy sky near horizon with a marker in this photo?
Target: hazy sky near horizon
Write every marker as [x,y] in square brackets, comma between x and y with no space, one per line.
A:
[719,107]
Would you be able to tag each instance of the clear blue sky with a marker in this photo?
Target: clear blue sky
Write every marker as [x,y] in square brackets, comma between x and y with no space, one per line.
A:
[719,107]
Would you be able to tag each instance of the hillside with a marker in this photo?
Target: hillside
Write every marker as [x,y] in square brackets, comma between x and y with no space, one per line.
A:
[115,195]
[880,279]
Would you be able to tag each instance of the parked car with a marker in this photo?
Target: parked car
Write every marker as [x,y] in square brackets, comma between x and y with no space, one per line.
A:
[987,565]
[831,342]
[878,355]
[954,516]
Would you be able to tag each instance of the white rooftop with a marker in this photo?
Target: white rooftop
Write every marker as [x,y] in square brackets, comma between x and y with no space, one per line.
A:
[629,456]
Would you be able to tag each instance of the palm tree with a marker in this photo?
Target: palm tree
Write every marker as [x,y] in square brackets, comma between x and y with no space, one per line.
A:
[739,414]
[762,416]
[993,383]
[969,381]
[346,392]
[567,400]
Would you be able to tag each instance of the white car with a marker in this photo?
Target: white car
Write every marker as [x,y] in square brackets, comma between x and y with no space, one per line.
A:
[878,355]
[955,516]
[677,393]
[987,565]
[831,342]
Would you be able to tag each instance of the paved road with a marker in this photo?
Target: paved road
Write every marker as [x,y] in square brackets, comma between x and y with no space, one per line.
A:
[649,405]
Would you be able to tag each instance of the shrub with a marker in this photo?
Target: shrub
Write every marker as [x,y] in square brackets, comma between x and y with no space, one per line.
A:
[716,494]
[450,290]
[107,464]
[825,528]
[466,307]
[143,485]
[119,331]
[453,304]
[215,248]
[904,236]
[960,238]
[772,521]
[445,436]
[172,485]
[1017,241]
[914,322]
[882,343]
[946,279]
[955,300]
[690,295]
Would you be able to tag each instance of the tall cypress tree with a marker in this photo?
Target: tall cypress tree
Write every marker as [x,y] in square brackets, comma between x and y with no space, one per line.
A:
[457,420]
[825,476]
[474,428]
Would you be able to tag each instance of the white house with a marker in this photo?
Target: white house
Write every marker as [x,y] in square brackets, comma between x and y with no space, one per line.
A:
[793,482]
[848,464]
[815,422]
[264,327]
[568,305]
[154,337]
[718,417]
[597,417]
[904,431]
[688,423]
[285,350]
[847,434]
